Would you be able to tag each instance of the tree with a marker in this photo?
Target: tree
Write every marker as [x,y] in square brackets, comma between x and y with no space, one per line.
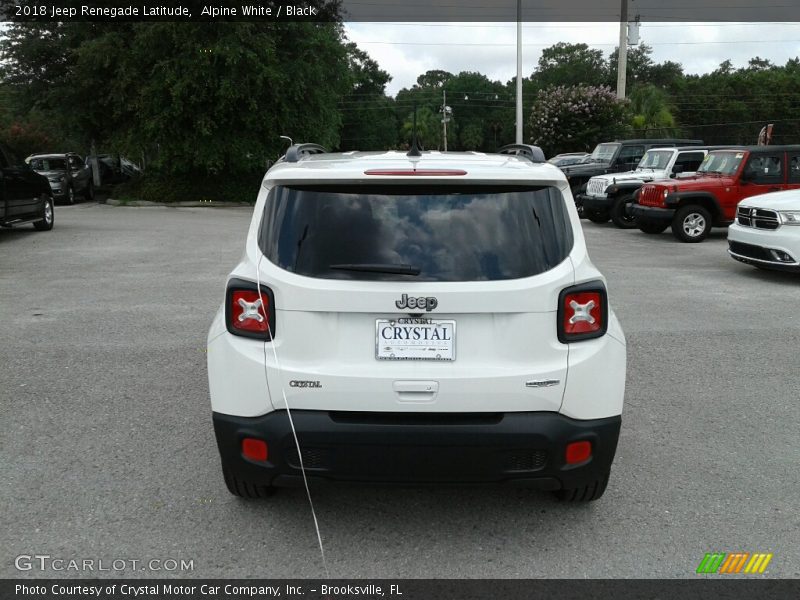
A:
[200,97]
[651,112]
[369,120]
[429,129]
[570,64]
[575,118]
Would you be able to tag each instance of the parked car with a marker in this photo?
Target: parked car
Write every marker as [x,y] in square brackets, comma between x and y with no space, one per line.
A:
[615,157]
[766,233]
[25,196]
[568,158]
[421,318]
[68,174]
[694,205]
[116,169]
[611,195]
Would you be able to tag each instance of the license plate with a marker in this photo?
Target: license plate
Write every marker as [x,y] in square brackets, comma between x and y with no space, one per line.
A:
[415,339]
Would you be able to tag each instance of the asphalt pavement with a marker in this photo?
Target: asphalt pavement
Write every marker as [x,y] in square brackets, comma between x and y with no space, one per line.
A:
[108,451]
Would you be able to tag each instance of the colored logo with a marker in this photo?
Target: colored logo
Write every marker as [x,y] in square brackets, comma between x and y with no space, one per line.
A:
[734,562]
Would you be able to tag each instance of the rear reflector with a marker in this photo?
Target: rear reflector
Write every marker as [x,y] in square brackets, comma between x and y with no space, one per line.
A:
[254,449]
[416,172]
[582,312]
[578,452]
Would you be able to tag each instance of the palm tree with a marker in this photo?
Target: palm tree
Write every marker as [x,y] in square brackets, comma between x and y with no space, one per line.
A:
[652,112]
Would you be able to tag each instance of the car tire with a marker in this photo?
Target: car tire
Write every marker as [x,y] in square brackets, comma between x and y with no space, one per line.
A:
[596,216]
[651,227]
[48,216]
[89,193]
[587,493]
[692,224]
[620,215]
[245,489]
[70,195]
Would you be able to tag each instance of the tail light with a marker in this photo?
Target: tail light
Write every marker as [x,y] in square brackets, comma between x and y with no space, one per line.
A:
[582,312]
[249,313]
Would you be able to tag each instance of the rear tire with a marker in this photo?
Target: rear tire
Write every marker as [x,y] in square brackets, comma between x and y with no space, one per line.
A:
[587,493]
[651,227]
[596,216]
[691,224]
[70,195]
[245,489]
[620,215]
[48,216]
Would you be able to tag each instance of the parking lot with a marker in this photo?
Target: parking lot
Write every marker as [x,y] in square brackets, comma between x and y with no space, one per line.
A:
[108,450]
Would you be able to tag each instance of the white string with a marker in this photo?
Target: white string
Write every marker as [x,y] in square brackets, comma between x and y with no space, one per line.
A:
[288,412]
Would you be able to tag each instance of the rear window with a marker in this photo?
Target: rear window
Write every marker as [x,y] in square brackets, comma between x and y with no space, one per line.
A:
[414,233]
[48,164]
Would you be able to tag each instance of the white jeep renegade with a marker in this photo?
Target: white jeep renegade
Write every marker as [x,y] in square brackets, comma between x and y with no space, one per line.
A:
[428,318]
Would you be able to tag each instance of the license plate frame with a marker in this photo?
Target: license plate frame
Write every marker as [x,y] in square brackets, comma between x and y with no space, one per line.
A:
[420,350]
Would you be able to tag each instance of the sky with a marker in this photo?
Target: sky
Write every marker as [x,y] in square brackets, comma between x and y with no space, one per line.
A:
[407,50]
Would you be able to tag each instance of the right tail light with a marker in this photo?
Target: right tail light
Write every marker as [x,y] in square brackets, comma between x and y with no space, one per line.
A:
[582,312]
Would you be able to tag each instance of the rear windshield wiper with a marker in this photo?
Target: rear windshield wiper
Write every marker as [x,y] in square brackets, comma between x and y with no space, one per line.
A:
[378,268]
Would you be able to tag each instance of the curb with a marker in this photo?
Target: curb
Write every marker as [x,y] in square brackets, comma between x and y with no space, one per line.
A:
[186,204]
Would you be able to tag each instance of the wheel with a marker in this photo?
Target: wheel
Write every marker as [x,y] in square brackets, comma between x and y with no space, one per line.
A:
[89,193]
[596,216]
[586,493]
[70,195]
[620,215]
[651,227]
[48,218]
[691,224]
[245,489]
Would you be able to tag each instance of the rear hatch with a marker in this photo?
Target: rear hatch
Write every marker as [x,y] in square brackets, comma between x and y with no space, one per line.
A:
[416,298]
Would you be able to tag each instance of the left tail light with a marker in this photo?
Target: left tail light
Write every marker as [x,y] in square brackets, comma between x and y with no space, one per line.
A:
[582,312]
[249,313]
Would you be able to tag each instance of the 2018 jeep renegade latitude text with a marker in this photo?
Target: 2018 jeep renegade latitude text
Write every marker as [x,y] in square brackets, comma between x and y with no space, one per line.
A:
[430,318]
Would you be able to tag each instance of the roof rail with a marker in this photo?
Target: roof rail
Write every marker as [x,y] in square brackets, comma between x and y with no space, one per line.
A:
[295,151]
[532,153]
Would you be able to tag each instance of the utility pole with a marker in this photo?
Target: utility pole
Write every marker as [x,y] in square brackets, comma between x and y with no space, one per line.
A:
[519,72]
[622,54]
[446,112]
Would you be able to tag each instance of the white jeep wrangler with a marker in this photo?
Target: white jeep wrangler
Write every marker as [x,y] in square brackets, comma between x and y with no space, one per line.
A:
[609,196]
[416,318]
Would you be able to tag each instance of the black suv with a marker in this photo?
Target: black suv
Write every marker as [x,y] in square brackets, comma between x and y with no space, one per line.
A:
[615,157]
[25,196]
[68,174]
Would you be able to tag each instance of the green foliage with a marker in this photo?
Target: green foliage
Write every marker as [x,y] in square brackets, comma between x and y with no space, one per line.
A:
[482,111]
[652,113]
[155,187]
[571,64]
[429,129]
[369,121]
[729,106]
[195,97]
[575,118]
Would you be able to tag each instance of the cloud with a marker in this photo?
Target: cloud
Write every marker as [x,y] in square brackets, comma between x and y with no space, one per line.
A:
[407,50]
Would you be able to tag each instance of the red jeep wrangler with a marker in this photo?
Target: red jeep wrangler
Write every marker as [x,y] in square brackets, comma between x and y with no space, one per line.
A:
[708,199]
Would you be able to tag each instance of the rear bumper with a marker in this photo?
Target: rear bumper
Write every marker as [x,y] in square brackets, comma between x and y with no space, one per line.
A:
[652,213]
[410,448]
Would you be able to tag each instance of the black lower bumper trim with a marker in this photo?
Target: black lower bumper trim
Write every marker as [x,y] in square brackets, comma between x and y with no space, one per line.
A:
[518,448]
[652,213]
[595,203]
